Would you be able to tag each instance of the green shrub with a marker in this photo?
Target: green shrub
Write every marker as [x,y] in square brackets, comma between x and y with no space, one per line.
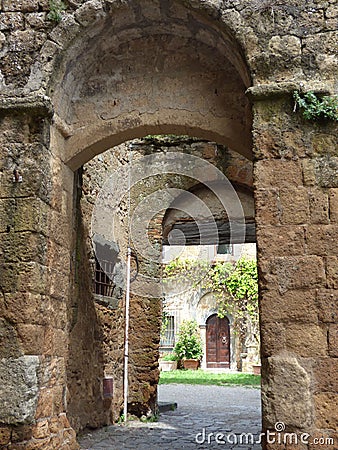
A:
[169,357]
[189,343]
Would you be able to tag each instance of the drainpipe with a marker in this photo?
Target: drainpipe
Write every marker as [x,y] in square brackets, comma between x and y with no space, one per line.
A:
[126,340]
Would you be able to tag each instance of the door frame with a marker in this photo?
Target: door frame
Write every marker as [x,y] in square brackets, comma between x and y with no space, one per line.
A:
[218,364]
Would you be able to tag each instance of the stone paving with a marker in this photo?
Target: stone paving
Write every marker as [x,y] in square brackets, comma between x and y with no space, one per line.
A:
[202,413]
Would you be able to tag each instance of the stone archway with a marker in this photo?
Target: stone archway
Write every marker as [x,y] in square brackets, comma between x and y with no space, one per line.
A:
[114,93]
[50,127]
[190,78]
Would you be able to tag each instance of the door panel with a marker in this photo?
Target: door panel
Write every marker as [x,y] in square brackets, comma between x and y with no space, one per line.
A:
[218,342]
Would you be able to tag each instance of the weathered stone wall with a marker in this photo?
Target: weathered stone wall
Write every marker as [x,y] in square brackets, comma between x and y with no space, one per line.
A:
[34,272]
[47,68]
[85,365]
[145,313]
[296,226]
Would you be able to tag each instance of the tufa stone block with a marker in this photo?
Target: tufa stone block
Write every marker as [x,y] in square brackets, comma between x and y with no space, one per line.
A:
[41,429]
[45,403]
[286,393]
[326,410]
[281,240]
[277,173]
[273,339]
[319,206]
[90,12]
[293,305]
[294,205]
[9,343]
[290,272]
[333,340]
[327,301]
[18,389]
[333,203]
[267,206]
[309,177]
[322,240]
[31,338]
[332,272]
[306,340]
[19,5]
[326,375]
[5,435]
[326,171]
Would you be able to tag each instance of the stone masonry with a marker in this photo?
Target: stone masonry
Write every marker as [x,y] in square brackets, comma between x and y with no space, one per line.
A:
[110,71]
[145,314]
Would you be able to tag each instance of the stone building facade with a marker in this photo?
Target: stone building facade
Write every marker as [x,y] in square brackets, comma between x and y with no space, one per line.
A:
[112,71]
[187,300]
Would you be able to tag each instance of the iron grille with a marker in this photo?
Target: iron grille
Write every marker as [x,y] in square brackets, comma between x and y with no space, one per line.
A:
[103,284]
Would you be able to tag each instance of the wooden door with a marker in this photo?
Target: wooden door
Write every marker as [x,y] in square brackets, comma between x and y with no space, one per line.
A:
[218,342]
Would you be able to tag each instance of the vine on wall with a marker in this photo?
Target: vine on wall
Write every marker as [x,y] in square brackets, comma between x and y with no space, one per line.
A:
[235,286]
[314,107]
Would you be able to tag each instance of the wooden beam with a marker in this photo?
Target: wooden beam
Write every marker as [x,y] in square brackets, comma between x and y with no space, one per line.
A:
[191,233]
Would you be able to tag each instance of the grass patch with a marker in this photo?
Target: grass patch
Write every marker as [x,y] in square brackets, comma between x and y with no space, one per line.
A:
[203,377]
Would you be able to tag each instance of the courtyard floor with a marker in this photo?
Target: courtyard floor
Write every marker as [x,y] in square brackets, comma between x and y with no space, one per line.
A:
[207,417]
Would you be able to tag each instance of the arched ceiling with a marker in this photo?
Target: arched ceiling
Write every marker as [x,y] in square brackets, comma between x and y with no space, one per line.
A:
[151,68]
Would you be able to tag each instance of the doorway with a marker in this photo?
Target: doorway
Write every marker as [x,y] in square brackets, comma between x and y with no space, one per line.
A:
[218,342]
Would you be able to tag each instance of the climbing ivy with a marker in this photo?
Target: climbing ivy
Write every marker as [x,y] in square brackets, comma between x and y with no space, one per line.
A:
[238,294]
[235,286]
[316,108]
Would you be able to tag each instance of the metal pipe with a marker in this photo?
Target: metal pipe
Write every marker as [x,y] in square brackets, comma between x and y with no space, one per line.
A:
[126,339]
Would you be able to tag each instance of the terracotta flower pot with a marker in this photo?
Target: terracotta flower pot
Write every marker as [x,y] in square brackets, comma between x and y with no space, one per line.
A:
[256,369]
[191,364]
[167,366]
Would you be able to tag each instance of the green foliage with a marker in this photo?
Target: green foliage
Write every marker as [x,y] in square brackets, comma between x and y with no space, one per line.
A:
[236,288]
[316,108]
[240,289]
[151,419]
[189,343]
[240,297]
[169,357]
[56,8]
[185,269]
[201,377]
[121,419]
[165,319]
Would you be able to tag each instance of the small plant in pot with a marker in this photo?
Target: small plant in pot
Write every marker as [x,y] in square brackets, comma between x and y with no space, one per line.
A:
[168,362]
[189,344]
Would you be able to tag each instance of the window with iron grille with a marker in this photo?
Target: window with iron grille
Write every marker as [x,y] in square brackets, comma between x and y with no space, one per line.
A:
[168,337]
[103,284]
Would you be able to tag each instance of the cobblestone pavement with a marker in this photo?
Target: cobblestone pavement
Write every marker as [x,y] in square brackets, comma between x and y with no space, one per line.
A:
[203,411]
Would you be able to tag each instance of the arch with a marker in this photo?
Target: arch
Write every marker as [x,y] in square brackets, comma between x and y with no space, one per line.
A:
[145,67]
[189,46]
[164,69]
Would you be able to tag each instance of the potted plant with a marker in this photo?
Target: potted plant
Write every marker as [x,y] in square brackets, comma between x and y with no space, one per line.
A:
[189,345]
[256,369]
[168,362]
